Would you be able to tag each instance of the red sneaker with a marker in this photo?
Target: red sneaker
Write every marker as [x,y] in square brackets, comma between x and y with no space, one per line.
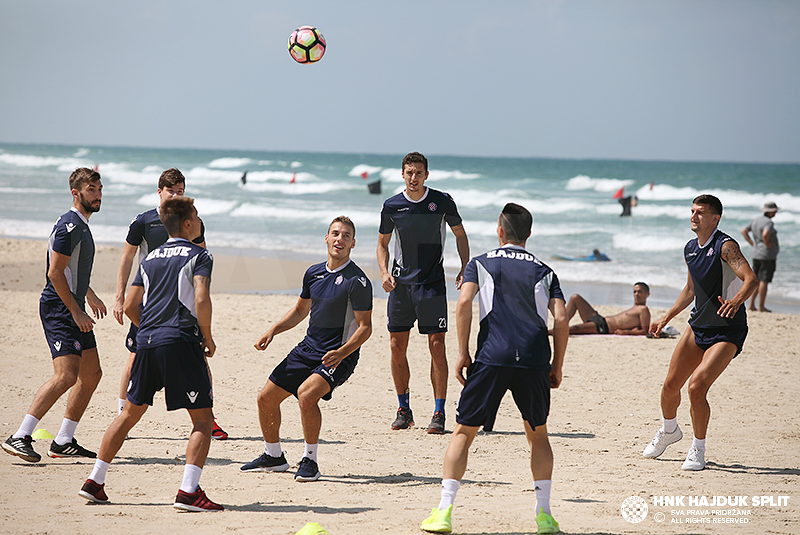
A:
[93,492]
[196,501]
[218,432]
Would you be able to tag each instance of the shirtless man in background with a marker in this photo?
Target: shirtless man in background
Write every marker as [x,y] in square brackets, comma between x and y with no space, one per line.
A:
[633,322]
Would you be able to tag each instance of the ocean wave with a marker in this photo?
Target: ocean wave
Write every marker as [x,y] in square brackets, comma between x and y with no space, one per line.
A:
[300,188]
[290,214]
[583,182]
[665,192]
[204,206]
[364,168]
[81,152]
[229,163]
[646,242]
[27,160]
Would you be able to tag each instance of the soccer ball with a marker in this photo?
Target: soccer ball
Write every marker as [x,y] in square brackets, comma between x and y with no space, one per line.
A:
[306,45]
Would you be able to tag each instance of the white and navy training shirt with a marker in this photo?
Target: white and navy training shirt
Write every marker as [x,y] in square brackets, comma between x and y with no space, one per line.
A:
[71,237]
[514,291]
[712,278]
[419,233]
[147,232]
[335,295]
[169,313]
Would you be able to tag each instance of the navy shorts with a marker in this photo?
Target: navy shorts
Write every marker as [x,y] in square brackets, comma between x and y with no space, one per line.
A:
[705,338]
[130,341]
[178,368]
[301,363]
[486,386]
[62,333]
[764,270]
[424,303]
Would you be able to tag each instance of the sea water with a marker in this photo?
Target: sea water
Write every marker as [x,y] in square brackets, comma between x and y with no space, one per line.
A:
[284,206]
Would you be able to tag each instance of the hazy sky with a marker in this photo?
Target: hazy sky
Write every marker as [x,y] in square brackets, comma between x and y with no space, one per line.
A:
[671,79]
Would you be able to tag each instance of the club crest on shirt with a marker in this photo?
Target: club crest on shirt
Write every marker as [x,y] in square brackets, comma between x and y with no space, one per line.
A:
[432,207]
[710,252]
[339,279]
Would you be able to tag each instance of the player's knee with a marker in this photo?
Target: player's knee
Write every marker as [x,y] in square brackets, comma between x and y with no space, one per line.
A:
[697,389]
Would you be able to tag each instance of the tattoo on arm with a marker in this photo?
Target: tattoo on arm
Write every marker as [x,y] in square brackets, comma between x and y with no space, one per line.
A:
[201,281]
[732,255]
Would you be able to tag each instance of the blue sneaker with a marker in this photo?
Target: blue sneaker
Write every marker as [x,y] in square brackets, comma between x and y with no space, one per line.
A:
[307,470]
[266,463]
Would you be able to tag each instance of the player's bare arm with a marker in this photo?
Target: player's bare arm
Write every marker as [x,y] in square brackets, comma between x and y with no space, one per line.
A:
[558,309]
[387,281]
[58,263]
[684,299]
[732,255]
[362,333]
[295,315]
[123,274]
[132,302]
[463,327]
[202,300]
[462,245]
[96,304]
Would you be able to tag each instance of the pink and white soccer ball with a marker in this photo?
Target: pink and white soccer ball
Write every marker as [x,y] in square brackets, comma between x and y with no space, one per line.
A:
[306,45]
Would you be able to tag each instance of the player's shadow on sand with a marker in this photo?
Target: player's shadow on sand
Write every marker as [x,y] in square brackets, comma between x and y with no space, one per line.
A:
[170,461]
[259,507]
[236,439]
[559,435]
[394,479]
[756,470]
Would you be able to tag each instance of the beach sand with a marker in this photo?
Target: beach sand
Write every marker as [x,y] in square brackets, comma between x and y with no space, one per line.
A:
[375,480]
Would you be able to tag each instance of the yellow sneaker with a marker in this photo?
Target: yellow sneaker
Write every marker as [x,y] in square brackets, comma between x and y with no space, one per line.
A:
[439,521]
[546,523]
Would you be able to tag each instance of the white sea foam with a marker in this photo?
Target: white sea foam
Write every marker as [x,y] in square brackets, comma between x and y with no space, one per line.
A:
[301,188]
[583,182]
[295,165]
[646,242]
[364,168]
[665,192]
[229,163]
[26,160]
[80,153]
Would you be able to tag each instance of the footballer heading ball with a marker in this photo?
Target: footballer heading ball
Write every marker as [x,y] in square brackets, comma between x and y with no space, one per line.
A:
[306,45]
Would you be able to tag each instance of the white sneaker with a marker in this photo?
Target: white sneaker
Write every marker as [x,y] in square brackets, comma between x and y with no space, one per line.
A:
[661,441]
[695,460]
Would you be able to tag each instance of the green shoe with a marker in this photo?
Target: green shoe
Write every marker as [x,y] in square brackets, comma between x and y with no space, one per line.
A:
[439,521]
[546,523]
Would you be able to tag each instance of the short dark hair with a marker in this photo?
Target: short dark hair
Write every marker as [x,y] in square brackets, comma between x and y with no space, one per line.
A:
[345,221]
[516,221]
[170,178]
[710,201]
[174,211]
[643,285]
[82,176]
[414,157]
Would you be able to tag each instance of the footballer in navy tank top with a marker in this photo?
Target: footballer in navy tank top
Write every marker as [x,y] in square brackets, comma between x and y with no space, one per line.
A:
[712,277]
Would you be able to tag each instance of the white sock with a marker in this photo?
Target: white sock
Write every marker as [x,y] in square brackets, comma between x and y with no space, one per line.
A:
[121,404]
[273,449]
[27,426]
[669,425]
[449,490]
[699,443]
[99,471]
[311,451]
[542,490]
[191,478]
[67,432]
